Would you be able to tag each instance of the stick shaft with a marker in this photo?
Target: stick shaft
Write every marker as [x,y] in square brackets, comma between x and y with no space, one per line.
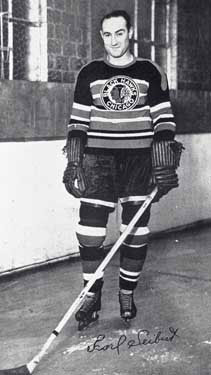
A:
[34,362]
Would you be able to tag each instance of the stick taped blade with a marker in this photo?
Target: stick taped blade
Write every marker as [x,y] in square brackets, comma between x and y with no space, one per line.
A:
[22,370]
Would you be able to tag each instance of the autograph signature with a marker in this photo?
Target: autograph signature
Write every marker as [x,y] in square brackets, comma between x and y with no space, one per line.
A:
[144,337]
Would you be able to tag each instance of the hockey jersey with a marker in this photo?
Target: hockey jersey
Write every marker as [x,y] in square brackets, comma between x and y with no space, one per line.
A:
[121,107]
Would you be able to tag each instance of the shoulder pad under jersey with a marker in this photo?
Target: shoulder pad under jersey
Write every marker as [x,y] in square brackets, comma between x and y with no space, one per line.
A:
[161,72]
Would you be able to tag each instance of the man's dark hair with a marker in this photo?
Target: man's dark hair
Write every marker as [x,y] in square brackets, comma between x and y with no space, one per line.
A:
[117,13]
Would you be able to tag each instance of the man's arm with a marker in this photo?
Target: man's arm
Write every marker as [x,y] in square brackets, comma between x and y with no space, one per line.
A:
[160,106]
[74,178]
[166,151]
[81,108]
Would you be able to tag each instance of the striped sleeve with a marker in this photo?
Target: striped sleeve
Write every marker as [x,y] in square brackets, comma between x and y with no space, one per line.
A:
[160,105]
[81,108]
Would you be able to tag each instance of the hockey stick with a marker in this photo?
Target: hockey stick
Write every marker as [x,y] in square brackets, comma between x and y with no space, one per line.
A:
[29,367]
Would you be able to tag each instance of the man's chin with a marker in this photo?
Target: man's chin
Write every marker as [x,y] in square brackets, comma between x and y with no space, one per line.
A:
[116,55]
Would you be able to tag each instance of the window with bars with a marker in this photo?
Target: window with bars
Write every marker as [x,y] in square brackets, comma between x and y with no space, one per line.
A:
[23,39]
[157,34]
[164,37]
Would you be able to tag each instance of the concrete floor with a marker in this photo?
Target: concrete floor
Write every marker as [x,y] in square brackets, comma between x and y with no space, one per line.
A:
[173,294]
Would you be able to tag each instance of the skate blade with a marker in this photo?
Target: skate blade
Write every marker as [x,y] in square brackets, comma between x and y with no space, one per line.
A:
[127,321]
[84,324]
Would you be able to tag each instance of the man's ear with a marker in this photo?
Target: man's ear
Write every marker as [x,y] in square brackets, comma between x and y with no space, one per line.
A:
[130,32]
[101,33]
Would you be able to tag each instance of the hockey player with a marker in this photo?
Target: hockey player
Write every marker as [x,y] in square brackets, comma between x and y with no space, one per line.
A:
[120,141]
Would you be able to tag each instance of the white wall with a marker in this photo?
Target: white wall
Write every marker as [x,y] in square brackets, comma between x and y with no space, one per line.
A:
[38,217]
[192,200]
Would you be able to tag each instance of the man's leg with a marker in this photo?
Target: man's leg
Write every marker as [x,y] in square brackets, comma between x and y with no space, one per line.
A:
[91,233]
[132,257]
[134,178]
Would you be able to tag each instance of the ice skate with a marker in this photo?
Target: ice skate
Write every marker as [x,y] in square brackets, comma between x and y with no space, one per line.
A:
[127,306]
[88,312]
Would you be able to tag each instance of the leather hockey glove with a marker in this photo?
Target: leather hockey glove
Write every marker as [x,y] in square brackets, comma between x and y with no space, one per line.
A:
[165,160]
[74,178]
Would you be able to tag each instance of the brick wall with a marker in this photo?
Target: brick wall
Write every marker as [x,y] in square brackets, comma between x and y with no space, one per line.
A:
[68,38]
[34,110]
[192,101]
[194,44]
[192,109]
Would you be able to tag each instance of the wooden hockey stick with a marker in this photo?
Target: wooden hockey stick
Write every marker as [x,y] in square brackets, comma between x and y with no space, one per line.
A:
[29,367]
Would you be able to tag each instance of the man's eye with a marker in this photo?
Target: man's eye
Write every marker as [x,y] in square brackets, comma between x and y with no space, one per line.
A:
[120,34]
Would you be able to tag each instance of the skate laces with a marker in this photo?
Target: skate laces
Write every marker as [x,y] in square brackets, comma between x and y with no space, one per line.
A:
[126,301]
[89,301]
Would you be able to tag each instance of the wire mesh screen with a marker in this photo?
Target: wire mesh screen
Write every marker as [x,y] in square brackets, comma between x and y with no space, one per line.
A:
[20,38]
[4,55]
[18,21]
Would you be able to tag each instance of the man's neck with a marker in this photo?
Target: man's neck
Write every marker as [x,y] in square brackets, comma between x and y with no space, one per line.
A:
[121,61]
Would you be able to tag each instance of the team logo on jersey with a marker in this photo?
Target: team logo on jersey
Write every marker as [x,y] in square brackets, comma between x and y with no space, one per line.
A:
[120,93]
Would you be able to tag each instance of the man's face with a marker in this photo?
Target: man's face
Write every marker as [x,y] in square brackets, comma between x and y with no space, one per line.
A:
[116,36]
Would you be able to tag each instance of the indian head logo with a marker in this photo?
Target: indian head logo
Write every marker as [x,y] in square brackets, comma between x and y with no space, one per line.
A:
[120,93]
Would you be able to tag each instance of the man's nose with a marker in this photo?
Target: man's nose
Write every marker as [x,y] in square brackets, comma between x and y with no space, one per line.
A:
[113,40]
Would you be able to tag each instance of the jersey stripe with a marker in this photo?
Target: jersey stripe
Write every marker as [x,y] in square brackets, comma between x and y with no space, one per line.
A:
[77,126]
[119,120]
[120,135]
[137,198]
[91,231]
[104,111]
[135,246]
[98,202]
[163,116]
[81,107]
[136,231]
[78,118]
[129,273]
[160,106]
[165,126]
[111,143]
[88,276]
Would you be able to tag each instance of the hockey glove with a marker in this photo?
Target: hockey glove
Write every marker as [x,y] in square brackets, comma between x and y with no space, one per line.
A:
[165,160]
[74,178]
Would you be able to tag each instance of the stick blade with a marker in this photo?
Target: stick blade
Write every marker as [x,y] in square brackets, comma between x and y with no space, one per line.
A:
[22,370]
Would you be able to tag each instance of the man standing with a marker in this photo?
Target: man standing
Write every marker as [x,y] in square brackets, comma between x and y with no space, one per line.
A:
[120,139]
